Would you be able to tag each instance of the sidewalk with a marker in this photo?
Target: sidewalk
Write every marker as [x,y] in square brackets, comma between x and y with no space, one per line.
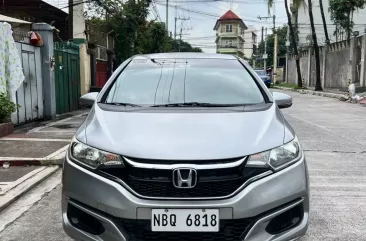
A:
[331,93]
[34,152]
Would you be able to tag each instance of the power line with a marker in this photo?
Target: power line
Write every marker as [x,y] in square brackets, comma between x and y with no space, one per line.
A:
[216,16]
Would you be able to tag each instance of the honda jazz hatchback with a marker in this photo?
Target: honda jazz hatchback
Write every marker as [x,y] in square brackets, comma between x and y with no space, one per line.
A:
[189,147]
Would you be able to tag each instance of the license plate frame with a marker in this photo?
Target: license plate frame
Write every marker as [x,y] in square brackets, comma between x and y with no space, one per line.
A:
[185,220]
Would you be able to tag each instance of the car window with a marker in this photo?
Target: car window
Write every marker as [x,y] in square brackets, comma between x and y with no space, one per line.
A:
[156,82]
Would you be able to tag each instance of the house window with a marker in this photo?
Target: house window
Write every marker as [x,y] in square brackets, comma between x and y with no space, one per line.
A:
[241,31]
[229,28]
[229,43]
[254,38]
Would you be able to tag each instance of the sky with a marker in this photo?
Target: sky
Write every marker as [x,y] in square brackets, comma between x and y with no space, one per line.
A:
[202,14]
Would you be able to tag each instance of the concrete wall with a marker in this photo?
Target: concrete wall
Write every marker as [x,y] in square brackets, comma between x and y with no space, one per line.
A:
[338,67]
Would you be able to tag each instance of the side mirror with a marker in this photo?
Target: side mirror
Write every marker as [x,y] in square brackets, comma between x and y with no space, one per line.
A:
[88,100]
[282,100]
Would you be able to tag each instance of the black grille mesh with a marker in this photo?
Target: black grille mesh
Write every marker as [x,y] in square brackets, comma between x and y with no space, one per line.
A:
[159,183]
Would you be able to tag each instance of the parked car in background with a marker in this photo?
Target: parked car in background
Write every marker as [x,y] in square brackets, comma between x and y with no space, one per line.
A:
[264,76]
[185,146]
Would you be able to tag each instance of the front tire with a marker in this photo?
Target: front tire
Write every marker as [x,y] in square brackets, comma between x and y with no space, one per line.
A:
[268,85]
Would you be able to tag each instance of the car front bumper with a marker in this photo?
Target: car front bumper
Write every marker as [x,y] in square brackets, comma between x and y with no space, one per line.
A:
[261,201]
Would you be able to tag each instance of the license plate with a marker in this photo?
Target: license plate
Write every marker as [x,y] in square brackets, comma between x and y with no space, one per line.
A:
[185,220]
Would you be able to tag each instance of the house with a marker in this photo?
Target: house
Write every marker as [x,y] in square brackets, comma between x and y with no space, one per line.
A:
[230,34]
[301,19]
[36,11]
[250,45]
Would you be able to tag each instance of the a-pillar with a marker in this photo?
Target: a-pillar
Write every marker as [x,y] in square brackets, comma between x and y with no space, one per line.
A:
[48,63]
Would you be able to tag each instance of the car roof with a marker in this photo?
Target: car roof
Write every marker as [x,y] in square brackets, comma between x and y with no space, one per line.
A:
[185,56]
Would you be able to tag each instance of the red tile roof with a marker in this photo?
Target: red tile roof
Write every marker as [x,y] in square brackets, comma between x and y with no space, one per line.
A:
[230,15]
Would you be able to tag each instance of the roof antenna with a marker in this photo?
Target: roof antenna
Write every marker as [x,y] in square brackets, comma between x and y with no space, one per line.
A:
[231,5]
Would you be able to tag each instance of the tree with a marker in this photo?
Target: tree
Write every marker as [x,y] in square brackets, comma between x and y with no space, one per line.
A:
[281,38]
[324,22]
[318,85]
[133,33]
[296,4]
[341,13]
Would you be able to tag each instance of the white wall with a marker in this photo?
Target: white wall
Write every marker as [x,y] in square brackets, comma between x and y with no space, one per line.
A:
[359,18]
[248,44]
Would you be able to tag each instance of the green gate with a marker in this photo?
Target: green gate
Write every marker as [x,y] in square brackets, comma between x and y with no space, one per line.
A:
[67,76]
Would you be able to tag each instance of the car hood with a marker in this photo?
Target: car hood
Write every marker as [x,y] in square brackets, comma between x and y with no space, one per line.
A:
[188,135]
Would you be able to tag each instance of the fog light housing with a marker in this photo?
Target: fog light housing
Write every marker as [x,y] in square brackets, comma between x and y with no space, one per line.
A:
[83,221]
[286,220]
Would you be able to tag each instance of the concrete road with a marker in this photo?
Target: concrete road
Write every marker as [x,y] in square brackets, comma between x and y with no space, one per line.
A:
[333,135]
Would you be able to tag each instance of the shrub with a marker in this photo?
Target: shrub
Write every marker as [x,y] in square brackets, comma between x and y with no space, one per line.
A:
[6,108]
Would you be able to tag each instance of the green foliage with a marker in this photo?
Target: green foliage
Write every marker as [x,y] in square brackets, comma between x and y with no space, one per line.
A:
[341,12]
[6,108]
[281,38]
[133,34]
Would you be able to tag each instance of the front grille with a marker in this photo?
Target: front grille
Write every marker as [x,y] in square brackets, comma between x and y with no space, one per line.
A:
[158,183]
[140,230]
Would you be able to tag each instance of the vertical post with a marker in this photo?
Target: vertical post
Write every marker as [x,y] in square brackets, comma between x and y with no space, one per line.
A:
[48,62]
[110,54]
[93,64]
[308,77]
[287,53]
[275,59]
[84,69]
[175,28]
[261,51]
[70,19]
[265,51]
[363,62]
[324,72]
[353,59]
[180,37]
[275,49]
[78,21]
[167,16]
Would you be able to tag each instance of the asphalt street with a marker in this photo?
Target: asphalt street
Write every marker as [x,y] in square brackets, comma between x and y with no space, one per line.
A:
[333,135]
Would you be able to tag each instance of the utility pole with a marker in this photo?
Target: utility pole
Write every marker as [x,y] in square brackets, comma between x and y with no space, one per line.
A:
[175,24]
[167,16]
[70,19]
[265,52]
[180,38]
[275,50]
[265,48]
[261,50]
[287,52]
[181,30]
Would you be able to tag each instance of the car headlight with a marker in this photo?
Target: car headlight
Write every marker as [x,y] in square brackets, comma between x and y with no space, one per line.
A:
[277,158]
[93,157]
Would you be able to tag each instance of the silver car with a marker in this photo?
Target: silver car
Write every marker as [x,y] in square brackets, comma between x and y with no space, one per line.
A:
[185,146]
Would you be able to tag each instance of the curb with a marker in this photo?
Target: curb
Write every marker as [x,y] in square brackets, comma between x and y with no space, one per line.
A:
[18,191]
[311,92]
[55,158]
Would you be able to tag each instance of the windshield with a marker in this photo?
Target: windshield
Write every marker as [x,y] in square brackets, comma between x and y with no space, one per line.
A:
[159,82]
[261,72]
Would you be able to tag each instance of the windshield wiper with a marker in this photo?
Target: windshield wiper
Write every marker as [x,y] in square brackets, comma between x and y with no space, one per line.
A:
[123,104]
[195,104]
